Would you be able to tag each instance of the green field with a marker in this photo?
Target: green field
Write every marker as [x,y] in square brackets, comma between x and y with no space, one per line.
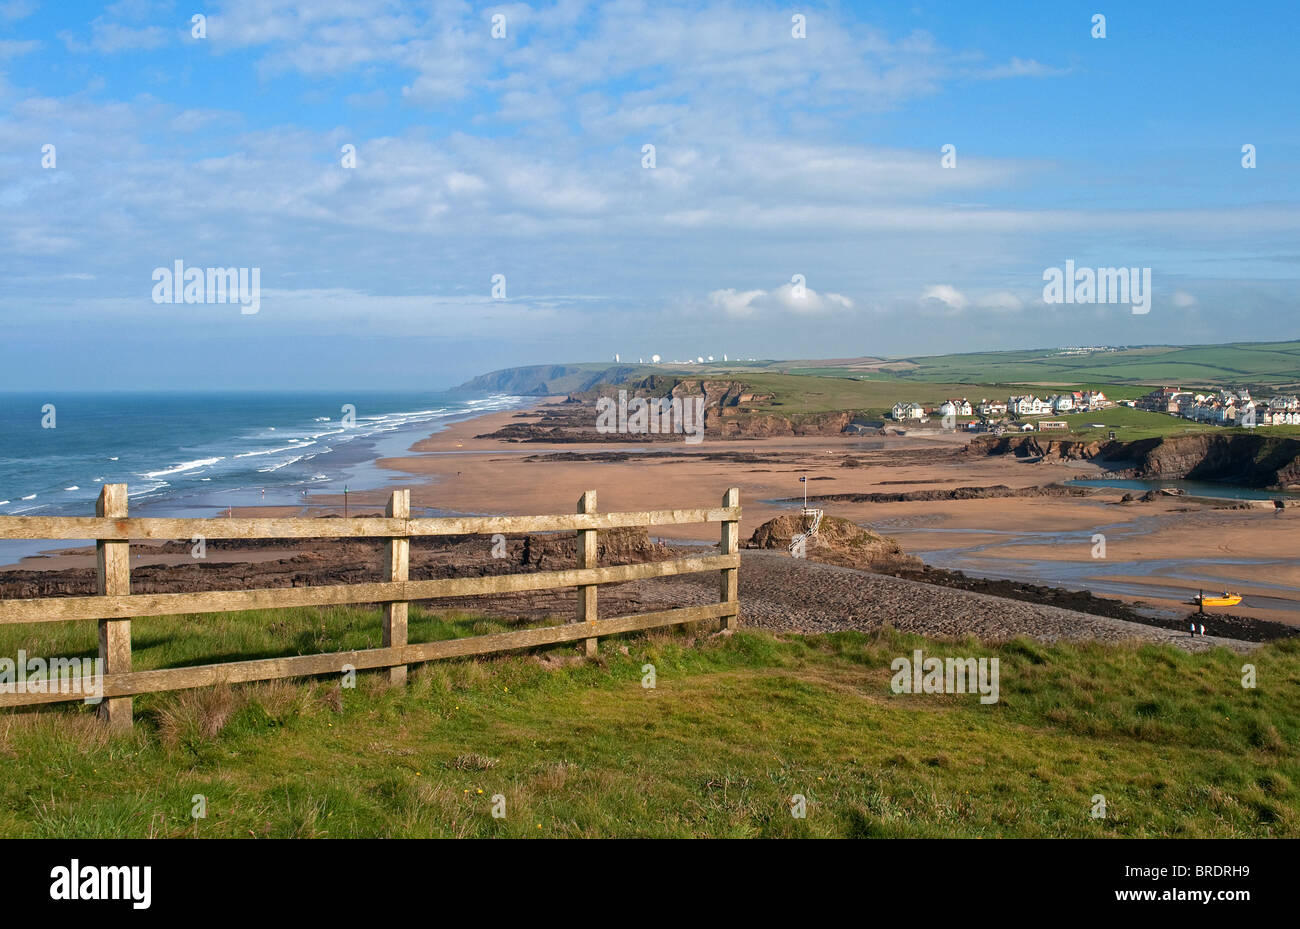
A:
[1129,425]
[806,394]
[736,726]
[1240,363]
[794,394]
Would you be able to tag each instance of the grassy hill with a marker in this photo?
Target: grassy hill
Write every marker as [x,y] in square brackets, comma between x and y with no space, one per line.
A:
[735,727]
[875,384]
[1253,363]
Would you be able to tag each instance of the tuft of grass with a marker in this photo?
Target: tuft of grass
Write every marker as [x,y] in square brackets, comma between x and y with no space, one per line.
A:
[471,761]
[195,717]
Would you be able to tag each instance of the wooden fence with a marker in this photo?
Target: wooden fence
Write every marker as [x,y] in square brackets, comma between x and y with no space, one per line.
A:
[114,606]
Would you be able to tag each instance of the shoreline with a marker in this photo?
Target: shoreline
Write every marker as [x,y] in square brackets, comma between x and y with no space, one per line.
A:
[1042,540]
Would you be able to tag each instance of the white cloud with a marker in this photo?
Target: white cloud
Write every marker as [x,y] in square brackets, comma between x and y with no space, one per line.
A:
[14,10]
[12,48]
[1020,67]
[109,38]
[1001,300]
[946,294]
[736,303]
[785,299]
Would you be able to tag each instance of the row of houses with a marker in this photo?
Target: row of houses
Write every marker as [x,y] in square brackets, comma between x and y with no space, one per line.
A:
[1226,407]
[1077,401]
[1029,405]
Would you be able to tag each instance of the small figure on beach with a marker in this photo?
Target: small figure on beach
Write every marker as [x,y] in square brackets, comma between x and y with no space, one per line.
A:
[1202,628]
[1193,630]
[1278,507]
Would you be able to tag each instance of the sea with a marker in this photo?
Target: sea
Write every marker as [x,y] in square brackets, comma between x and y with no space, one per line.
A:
[197,454]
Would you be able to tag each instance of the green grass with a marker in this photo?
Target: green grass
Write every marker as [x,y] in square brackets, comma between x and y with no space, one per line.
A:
[805,394]
[1239,363]
[736,726]
[1130,424]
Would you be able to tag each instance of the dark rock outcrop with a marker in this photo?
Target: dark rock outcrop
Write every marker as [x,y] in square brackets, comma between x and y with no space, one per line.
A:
[1250,458]
[838,541]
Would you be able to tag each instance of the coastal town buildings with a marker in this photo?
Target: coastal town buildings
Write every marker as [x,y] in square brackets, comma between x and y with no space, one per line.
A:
[1016,406]
[1229,406]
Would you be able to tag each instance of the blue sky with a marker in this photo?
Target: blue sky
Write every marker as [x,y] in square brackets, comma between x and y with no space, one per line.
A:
[522,156]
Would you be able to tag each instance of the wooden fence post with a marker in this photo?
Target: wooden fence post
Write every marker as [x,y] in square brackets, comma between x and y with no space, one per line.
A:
[588,557]
[729,588]
[399,569]
[113,569]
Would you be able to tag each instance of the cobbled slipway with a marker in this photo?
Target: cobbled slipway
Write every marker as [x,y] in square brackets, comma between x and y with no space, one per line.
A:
[786,594]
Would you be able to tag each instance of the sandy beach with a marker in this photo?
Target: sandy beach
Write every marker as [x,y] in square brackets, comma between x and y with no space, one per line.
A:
[1188,544]
[1156,554]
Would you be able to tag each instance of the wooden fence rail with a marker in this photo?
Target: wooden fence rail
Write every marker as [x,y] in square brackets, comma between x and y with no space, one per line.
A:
[114,606]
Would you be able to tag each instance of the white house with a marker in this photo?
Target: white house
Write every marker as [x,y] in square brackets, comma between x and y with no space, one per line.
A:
[1028,406]
[903,412]
[955,407]
[1062,403]
[991,408]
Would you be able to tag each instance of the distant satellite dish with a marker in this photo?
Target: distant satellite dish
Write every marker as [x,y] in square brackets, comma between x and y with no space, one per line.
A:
[654,359]
[616,359]
[710,358]
[699,359]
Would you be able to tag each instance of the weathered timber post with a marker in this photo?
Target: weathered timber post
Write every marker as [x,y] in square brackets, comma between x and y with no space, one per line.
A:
[729,588]
[399,569]
[113,569]
[587,558]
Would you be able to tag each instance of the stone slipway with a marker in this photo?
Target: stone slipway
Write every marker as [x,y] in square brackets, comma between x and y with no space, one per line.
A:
[786,594]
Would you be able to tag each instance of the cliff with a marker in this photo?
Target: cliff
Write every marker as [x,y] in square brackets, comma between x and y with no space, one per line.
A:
[548,380]
[1251,459]
[1241,458]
